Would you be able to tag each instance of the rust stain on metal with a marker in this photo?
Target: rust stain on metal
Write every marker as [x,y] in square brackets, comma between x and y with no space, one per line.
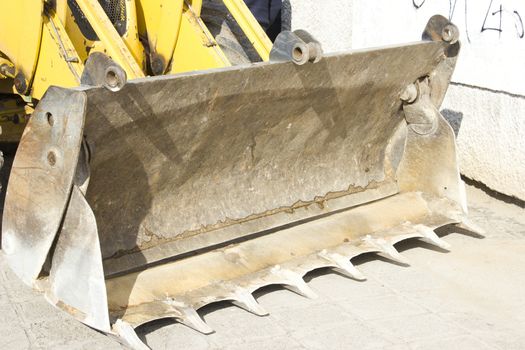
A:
[156,239]
[71,310]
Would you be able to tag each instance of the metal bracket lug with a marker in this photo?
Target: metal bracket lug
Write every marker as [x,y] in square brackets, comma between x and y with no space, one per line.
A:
[299,47]
[439,28]
[420,113]
[100,70]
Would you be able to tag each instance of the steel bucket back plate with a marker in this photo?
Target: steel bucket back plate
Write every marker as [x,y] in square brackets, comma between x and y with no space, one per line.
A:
[185,162]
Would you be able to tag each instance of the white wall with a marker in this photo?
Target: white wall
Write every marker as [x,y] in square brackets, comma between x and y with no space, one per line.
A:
[329,21]
[487,95]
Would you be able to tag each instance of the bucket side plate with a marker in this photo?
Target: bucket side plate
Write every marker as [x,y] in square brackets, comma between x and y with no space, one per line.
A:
[41,180]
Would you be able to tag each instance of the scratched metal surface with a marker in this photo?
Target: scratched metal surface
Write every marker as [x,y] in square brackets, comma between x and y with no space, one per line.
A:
[40,181]
[177,156]
[235,272]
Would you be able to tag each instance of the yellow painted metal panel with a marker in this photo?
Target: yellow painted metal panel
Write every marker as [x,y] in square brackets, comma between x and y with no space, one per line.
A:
[251,28]
[82,45]
[66,48]
[52,68]
[131,37]
[61,10]
[109,36]
[195,6]
[196,48]
[20,33]
[160,21]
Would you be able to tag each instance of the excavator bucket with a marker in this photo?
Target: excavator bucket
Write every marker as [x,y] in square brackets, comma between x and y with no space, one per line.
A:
[174,192]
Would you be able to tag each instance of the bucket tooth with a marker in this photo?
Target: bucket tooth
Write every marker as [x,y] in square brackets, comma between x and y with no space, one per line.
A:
[301,288]
[192,319]
[294,282]
[342,265]
[352,250]
[246,301]
[189,317]
[431,237]
[387,249]
[128,335]
[468,225]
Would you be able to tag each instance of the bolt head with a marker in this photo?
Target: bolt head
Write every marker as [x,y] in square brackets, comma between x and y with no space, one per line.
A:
[450,33]
[20,83]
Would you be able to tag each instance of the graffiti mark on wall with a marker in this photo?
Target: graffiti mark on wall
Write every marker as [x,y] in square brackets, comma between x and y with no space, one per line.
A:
[497,16]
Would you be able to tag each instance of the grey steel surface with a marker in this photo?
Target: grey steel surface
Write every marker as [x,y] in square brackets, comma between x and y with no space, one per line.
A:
[41,179]
[76,278]
[177,161]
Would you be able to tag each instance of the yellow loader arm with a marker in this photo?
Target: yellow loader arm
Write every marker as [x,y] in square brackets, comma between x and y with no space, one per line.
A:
[158,37]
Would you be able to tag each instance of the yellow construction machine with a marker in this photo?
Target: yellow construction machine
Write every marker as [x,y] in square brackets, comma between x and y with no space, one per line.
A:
[159,170]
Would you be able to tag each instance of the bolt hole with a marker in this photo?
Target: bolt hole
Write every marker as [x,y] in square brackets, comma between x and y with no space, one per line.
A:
[297,53]
[50,119]
[51,158]
[449,34]
[112,78]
